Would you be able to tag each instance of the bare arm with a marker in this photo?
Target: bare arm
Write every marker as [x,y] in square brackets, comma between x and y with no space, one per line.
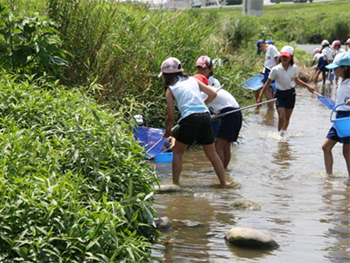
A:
[207,90]
[170,113]
[302,83]
[266,85]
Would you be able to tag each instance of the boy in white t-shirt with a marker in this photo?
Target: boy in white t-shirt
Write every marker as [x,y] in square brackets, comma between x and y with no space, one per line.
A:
[228,127]
[271,60]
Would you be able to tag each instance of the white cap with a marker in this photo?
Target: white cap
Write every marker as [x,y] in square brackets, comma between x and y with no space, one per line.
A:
[324,43]
[287,51]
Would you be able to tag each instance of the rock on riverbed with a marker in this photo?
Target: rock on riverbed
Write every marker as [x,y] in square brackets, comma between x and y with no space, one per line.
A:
[249,238]
[167,188]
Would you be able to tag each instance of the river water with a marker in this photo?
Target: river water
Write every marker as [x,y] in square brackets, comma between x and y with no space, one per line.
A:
[306,212]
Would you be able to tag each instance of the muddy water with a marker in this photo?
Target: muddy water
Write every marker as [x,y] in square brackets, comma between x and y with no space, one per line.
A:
[303,210]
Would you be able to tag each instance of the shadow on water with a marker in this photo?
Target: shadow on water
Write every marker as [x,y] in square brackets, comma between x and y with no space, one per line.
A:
[304,211]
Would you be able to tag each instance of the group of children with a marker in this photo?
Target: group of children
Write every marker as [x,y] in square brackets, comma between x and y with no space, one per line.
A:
[198,96]
[324,56]
[285,74]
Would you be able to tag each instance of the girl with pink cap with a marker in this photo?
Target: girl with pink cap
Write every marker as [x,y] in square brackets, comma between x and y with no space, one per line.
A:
[195,121]
[286,76]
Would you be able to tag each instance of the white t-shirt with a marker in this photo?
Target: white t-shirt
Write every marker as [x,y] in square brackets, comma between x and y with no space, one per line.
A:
[213,82]
[223,100]
[270,55]
[284,78]
[340,50]
[343,94]
[317,57]
[328,52]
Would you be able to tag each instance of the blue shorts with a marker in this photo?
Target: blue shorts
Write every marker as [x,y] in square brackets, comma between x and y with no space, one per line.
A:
[322,63]
[230,125]
[196,128]
[285,98]
[332,134]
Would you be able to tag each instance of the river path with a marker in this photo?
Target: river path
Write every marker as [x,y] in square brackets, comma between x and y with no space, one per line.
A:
[305,211]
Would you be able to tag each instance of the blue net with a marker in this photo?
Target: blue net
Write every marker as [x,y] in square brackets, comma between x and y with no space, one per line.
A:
[150,138]
[329,103]
[253,83]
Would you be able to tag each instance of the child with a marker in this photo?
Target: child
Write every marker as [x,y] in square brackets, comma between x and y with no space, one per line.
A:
[328,58]
[336,45]
[230,124]
[315,63]
[195,121]
[271,60]
[286,76]
[347,44]
[341,66]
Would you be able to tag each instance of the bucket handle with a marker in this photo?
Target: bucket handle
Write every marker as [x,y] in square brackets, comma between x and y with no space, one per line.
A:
[336,106]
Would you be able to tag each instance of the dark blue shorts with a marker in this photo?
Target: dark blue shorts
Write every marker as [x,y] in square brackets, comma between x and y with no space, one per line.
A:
[285,98]
[196,128]
[332,134]
[230,125]
[322,63]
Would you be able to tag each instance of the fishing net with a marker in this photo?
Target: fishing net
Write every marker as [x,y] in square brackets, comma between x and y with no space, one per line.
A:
[148,137]
[329,103]
[253,83]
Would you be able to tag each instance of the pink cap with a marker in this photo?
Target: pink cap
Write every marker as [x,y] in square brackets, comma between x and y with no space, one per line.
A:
[204,62]
[170,65]
[316,50]
[336,43]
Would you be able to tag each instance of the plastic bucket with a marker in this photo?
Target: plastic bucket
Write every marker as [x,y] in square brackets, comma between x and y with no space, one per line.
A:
[164,158]
[342,125]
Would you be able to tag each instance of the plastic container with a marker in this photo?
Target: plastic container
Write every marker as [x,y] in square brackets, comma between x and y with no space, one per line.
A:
[342,125]
[166,157]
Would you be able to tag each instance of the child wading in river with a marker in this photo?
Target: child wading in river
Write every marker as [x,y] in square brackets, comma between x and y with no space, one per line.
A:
[195,121]
[341,66]
[286,76]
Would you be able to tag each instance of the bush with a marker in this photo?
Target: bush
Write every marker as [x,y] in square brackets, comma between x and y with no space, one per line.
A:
[74,185]
[30,45]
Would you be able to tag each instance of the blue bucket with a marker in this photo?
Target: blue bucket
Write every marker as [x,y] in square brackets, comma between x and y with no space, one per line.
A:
[342,125]
[164,157]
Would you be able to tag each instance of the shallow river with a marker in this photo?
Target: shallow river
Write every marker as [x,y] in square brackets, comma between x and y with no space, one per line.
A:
[303,210]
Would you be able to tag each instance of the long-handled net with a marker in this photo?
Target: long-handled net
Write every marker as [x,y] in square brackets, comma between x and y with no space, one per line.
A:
[151,139]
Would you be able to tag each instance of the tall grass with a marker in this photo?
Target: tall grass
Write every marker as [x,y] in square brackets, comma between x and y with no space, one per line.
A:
[74,185]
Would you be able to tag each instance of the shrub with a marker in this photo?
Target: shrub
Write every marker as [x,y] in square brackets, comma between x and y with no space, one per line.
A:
[74,185]
[30,45]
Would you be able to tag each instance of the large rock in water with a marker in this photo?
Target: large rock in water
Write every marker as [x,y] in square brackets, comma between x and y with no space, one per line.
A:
[167,188]
[249,238]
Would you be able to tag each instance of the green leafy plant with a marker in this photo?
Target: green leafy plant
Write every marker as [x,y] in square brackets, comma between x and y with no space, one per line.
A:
[30,45]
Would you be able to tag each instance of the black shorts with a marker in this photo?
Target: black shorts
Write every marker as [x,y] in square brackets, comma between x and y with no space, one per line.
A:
[230,125]
[285,98]
[196,128]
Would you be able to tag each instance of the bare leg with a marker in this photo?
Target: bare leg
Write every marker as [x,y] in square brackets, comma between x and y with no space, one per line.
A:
[346,154]
[269,96]
[281,118]
[328,156]
[227,154]
[288,113]
[223,149]
[317,73]
[214,158]
[323,78]
[219,147]
[178,151]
